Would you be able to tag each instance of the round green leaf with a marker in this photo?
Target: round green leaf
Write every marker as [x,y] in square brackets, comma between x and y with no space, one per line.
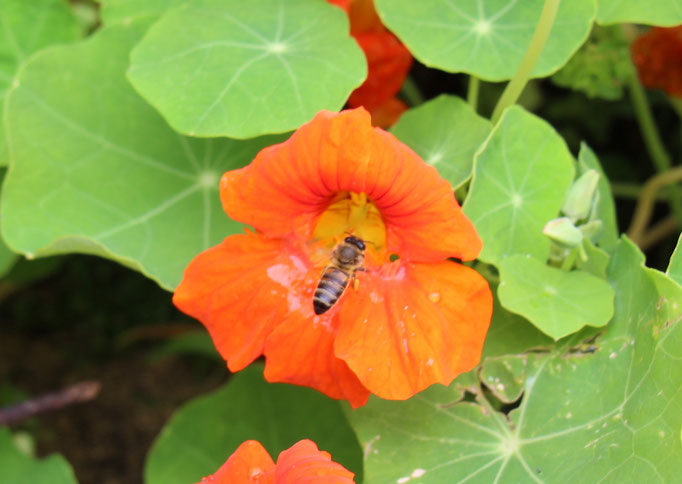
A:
[26,27]
[17,468]
[520,180]
[652,12]
[243,69]
[101,172]
[486,38]
[610,415]
[205,432]
[557,302]
[445,132]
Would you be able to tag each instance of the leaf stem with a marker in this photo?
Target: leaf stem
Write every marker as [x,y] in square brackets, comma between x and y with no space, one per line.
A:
[662,230]
[472,92]
[645,203]
[537,44]
[653,142]
[411,92]
[631,190]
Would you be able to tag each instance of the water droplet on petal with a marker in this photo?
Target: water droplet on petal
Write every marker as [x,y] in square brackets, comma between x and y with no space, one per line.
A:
[434,297]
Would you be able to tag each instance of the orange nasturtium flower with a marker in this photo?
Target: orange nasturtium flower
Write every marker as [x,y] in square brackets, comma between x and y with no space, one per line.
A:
[388,62]
[415,318]
[302,462]
[658,57]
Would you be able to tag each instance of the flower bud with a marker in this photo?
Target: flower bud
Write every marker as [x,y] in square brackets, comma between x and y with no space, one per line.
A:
[581,196]
[563,231]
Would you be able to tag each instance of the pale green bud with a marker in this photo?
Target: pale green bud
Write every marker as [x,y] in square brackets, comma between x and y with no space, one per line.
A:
[563,231]
[580,196]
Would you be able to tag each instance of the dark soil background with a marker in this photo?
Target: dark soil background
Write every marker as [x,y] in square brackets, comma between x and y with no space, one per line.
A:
[83,318]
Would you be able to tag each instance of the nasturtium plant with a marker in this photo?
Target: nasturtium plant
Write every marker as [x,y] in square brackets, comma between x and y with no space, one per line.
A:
[216,68]
[117,181]
[486,38]
[445,132]
[520,179]
[18,468]
[292,170]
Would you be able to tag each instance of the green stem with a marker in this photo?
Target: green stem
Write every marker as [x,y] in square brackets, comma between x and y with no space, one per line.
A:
[537,44]
[472,92]
[645,203]
[631,190]
[411,92]
[653,142]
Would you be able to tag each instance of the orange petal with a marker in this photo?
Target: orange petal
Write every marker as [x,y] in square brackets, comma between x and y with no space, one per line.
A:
[303,463]
[418,325]
[241,290]
[250,464]
[286,188]
[301,351]
[388,63]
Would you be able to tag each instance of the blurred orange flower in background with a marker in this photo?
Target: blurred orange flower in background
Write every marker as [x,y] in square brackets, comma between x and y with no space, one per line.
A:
[303,462]
[658,57]
[388,62]
[416,318]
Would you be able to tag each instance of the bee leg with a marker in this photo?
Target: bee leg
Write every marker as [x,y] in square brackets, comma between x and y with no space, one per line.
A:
[356,283]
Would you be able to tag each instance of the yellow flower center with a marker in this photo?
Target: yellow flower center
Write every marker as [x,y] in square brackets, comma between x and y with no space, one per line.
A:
[353,213]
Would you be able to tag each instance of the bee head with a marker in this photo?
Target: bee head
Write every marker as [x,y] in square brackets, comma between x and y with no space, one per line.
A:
[351,239]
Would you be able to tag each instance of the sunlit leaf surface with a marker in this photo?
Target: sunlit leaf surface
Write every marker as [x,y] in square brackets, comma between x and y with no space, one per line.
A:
[520,180]
[17,468]
[610,414]
[486,38]
[446,133]
[557,302]
[653,12]
[25,27]
[203,434]
[102,172]
[243,69]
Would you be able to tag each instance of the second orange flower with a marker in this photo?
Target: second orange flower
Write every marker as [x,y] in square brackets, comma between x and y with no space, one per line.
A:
[415,317]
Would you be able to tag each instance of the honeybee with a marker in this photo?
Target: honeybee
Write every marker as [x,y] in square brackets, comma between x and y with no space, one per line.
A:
[346,259]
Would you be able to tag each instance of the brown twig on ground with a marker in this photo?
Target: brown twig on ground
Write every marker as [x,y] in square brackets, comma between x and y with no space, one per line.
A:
[80,392]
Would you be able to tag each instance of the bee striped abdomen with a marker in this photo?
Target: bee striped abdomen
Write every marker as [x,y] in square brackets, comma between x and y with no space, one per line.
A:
[330,288]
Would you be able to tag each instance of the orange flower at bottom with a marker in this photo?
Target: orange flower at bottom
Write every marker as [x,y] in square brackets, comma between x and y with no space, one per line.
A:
[303,462]
[413,320]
